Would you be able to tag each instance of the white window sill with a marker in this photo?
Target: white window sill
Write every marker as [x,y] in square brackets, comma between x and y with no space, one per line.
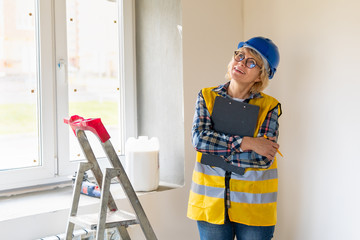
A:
[29,204]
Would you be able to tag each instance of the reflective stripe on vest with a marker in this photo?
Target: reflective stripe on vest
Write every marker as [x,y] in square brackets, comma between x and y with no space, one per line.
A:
[240,197]
[252,195]
[207,191]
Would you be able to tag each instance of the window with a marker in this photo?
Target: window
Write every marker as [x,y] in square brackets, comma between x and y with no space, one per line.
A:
[93,69]
[57,59]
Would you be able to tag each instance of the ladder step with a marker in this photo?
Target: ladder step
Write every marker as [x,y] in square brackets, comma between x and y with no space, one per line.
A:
[113,219]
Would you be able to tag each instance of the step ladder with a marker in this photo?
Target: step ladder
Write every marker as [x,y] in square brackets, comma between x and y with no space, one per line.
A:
[109,215]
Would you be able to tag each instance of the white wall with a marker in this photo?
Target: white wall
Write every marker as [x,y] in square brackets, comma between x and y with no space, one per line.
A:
[317,83]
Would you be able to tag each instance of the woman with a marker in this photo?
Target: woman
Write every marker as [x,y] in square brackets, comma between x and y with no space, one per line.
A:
[226,204]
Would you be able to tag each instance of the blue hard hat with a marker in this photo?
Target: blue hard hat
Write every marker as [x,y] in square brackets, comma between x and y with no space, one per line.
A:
[267,49]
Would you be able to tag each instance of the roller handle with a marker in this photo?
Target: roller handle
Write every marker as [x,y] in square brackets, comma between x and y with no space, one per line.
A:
[92,124]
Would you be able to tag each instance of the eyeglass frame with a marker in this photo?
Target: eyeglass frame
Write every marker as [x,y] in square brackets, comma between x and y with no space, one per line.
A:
[237,53]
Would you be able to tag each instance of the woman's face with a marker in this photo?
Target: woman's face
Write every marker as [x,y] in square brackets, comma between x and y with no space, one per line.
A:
[240,73]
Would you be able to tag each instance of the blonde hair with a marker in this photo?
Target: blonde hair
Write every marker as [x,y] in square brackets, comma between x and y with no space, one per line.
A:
[263,75]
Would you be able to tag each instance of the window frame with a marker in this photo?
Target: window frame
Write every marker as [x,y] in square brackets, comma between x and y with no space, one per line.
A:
[56,167]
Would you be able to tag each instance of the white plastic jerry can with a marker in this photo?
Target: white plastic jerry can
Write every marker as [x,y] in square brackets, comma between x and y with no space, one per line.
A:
[142,162]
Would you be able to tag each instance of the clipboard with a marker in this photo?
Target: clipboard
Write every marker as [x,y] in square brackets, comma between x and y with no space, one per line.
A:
[234,118]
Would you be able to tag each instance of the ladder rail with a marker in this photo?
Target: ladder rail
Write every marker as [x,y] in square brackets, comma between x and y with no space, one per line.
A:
[109,174]
[83,167]
[129,191]
[90,156]
[105,193]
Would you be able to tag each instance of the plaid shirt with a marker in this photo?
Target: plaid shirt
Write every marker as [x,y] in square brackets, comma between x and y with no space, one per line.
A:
[206,140]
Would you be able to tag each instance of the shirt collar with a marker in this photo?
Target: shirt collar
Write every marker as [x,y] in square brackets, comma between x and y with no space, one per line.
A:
[222,91]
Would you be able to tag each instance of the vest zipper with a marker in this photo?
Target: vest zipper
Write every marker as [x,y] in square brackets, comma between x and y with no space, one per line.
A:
[227,194]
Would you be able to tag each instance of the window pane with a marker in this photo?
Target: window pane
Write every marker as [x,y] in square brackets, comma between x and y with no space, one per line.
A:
[93,77]
[19,138]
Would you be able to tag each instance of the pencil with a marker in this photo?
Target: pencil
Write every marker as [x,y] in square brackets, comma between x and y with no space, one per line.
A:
[276,149]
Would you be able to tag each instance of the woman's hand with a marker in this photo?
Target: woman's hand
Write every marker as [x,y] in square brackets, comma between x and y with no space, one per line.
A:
[260,145]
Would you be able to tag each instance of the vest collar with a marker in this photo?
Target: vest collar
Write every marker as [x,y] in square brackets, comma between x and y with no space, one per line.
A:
[222,91]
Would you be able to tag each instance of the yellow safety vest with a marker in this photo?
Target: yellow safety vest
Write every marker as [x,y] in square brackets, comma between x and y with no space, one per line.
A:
[252,195]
